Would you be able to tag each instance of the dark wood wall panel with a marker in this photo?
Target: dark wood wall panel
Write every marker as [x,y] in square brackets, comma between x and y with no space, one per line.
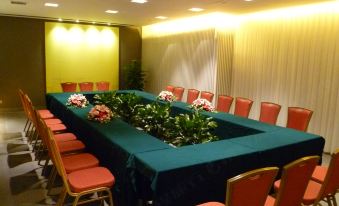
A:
[21,61]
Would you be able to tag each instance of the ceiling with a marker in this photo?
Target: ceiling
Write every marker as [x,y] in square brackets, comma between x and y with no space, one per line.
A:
[137,14]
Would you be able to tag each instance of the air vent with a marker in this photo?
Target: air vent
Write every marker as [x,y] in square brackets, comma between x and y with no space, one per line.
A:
[19,2]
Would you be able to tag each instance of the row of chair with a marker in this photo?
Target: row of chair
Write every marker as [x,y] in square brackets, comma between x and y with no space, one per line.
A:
[84,86]
[79,171]
[298,118]
[301,183]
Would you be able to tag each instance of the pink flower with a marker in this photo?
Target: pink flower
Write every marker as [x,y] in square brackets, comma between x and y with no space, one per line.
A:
[100,113]
[203,104]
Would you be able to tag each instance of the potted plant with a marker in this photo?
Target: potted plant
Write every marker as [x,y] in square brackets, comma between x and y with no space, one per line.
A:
[134,76]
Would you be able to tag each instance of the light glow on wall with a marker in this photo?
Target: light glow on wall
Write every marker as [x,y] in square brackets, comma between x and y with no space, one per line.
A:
[224,21]
[196,23]
[81,53]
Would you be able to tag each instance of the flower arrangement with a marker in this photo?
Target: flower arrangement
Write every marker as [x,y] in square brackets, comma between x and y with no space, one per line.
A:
[100,113]
[166,96]
[77,100]
[203,104]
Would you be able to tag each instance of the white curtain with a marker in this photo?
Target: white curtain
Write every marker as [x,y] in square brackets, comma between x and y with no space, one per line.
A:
[292,61]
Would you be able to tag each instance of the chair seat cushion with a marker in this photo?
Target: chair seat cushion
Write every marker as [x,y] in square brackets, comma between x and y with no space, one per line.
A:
[44,111]
[90,178]
[79,161]
[212,204]
[53,121]
[64,137]
[70,146]
[45,115]
[270,201]
[312,191]
[319,173]
[57,127]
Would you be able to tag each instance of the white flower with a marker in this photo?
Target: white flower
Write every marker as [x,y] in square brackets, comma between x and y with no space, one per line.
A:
[77,100]
[203,104]
[166,96]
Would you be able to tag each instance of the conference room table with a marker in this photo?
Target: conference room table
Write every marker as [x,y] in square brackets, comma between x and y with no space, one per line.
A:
[146,168]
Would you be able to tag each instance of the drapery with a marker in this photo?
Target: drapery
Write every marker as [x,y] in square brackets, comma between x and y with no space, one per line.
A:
[290,60]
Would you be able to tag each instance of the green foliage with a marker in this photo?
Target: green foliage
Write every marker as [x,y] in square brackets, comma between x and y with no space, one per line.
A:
[129,104]
[110,99]
[122,104]
[153,118]
[134,76]
[192,129]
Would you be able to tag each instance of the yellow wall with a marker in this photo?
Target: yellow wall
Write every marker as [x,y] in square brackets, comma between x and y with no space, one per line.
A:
[80,53]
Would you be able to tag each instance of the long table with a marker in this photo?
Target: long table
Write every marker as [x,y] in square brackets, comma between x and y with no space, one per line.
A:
[147,168]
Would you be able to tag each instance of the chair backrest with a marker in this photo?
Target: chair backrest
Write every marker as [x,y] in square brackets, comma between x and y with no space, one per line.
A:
[102,86]
[224,103]
[269,112]
[170,88]
[192,94]
[178,92]
[207,95]
[298,118]
[86,86]
[23,101]
[69,86]
[294,181]
[242,107]
[331,181]
[250,188]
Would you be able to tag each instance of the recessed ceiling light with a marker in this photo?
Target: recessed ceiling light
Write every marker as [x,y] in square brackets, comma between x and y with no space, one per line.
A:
[196,9]
[139,1]
[248,0]
[77,21]
[109,24]
[111,11]
[93,22]
[161,17]
[60,19]
[51,4]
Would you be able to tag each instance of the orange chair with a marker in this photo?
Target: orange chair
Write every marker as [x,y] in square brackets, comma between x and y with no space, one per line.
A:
[192,94]
[224,103]
[248,189]
[178,92]
[298,118]
[82,183]
[69,86]
[242,107]
[316,192]
[293,183]
[86,86]
[102,86]
[170,88]
[269,112]
[320,174]
[207,95]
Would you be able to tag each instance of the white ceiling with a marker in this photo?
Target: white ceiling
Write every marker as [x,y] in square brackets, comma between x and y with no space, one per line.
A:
[137,14]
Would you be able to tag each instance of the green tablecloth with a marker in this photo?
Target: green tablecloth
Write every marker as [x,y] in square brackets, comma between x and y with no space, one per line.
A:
[147,168]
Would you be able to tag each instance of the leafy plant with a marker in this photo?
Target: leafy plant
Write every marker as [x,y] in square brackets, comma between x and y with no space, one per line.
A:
[129,103]
[192,129]
[134,76]
[153,118]
[122,104]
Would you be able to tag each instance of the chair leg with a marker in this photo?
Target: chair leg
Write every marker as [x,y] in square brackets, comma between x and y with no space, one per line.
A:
[76,200]
[46,165]
[27,121]
[62,197]
[111,203]
[51,180]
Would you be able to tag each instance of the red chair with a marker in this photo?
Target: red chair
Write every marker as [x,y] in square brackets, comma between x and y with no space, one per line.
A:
[207,95]
[320,173]
[69,86]
[102,86]
[325,191]
[298,118]
[248,189]
[293,183]
[178,92]
[192,94]
[242,107]
[170,88]
[86,86]
[269,112]
[224,103]
[82,183]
